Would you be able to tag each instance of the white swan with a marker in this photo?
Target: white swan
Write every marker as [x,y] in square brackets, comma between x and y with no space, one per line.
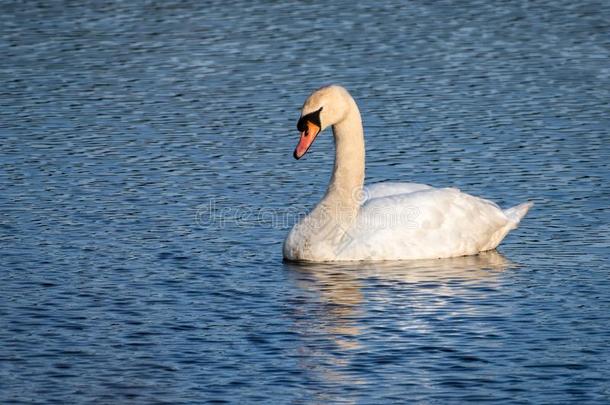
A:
[384,221]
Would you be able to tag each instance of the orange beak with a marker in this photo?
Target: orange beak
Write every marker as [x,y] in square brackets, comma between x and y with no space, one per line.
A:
[307,138]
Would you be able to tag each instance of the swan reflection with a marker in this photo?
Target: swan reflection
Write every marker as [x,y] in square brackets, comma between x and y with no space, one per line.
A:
[349,300]
[333,278]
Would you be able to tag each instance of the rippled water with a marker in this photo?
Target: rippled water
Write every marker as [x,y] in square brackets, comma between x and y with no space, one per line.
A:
[147,183]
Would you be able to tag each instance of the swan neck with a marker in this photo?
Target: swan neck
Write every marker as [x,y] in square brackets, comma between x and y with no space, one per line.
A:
[348,174]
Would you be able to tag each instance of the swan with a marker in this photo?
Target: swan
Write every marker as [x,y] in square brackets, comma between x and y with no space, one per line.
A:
[384,221]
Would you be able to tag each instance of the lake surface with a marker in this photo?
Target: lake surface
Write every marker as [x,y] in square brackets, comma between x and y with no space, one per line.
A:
[147,183]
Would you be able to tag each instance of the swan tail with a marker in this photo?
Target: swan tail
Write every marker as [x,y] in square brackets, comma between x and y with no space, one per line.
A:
[516,213]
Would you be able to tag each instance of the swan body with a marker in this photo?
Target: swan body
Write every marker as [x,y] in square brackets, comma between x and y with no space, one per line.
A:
[384,221]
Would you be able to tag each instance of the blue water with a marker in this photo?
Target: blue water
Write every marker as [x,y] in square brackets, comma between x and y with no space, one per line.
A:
[147,183]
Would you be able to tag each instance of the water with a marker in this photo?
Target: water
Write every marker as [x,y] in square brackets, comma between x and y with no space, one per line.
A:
[147,183]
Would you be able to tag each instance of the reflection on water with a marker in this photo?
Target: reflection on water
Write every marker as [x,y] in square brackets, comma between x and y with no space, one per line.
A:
[349,293]
[476,267]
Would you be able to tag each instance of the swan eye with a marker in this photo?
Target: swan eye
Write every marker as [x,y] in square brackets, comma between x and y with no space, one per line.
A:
[313,117]
[302,125]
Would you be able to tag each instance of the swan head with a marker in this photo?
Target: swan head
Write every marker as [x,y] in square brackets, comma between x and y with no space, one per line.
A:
[323,108]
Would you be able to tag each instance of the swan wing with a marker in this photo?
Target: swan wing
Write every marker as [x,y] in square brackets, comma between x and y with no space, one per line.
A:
[429,223]
[389,188]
